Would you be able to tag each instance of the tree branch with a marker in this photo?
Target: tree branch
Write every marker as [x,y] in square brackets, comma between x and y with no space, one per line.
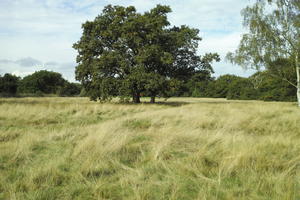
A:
[284,79]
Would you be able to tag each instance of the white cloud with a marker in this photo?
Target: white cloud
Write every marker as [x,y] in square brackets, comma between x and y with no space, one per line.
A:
[26,66]
[15,68]
[220,43]
[28,62]
[21,73]
[46,29]
[23,62]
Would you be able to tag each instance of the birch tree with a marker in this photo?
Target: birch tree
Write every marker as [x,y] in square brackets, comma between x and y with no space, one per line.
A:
[273,33]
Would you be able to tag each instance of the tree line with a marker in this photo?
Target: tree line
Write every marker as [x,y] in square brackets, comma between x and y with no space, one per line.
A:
[265,85]
[39,83]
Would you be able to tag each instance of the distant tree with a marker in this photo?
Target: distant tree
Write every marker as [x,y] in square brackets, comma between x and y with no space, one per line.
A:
[8,85]
[125,53]
[198,84]
[222,84]
[274,33]
[69,89]
[273,87]
[241,88]
[283,69]
[42,82]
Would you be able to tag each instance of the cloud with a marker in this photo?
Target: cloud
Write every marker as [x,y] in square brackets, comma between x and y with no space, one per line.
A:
[51,63]
[17,69]
[46,29]
[25,66]
[21,73]
[28,62]
[222,68]
[6,61]
[23,62]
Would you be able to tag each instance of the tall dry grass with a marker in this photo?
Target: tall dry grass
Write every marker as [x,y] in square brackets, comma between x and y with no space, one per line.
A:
[187,148]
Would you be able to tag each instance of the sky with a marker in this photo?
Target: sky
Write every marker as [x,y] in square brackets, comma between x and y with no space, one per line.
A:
[39,34]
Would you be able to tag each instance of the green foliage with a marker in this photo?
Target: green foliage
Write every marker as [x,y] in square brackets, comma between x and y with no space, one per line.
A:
[273,33]
[241,88]
[273,88]
[125,53]
[283,69]
[39,84]
[8,85]
[198,85]
[222,85]
[268,85]
[42,82]
[273,37]
[69,89]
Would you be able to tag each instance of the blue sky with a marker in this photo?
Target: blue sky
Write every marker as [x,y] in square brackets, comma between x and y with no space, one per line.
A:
[38,34]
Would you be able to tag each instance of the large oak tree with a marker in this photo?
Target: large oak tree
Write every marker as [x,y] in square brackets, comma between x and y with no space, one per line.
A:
[126,53]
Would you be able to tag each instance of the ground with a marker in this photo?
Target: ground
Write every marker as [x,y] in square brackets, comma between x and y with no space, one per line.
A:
[185,148]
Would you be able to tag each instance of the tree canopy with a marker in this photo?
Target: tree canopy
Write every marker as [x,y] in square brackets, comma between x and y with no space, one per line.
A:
[126,53]
[274,35]
[43,81]
[38,84]
[8,85]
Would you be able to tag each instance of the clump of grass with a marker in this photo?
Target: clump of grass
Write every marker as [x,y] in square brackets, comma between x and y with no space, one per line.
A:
[138,124]
[71,148]
[8,136]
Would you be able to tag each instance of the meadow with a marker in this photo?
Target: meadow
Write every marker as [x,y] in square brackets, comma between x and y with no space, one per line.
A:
[185,148]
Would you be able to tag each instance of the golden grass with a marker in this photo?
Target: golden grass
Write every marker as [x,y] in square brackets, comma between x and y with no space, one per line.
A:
[187,148]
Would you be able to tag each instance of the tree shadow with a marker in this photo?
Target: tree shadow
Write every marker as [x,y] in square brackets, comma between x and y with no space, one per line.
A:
[164,103]
[168,103]
[17,101]
[201,101]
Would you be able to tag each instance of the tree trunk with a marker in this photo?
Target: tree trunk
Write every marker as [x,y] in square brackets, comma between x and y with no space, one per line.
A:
[152,99]
[298,80]
[298,91]
[136,97]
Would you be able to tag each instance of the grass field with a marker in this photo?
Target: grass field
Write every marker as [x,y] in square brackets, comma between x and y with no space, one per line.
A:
[71,148]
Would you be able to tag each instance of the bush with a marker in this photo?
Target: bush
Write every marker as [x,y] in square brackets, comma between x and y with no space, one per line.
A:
[242,88]
[9,85]
[43,81]
[70,89]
